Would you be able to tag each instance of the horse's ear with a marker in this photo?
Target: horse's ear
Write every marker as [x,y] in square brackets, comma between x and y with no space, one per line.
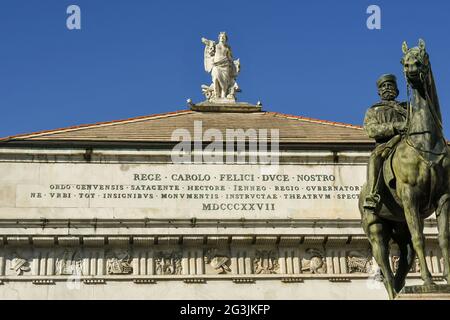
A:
[404,47]
[426,59]
[421,44]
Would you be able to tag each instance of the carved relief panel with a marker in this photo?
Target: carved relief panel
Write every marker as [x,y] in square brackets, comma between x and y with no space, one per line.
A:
[20,265]
[314,262]
[217,261]
[118,262]
[168,262]
[69,262]
[359,261]
[266,262]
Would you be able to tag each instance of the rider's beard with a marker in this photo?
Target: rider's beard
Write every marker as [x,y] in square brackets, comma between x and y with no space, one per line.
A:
[389,94]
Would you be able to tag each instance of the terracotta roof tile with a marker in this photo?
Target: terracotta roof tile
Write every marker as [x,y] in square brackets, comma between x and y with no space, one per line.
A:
[159,128]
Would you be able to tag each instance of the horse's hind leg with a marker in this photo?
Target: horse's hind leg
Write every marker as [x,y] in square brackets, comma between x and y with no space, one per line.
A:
[407,255]
[379,234]
[442,213]
[415,225]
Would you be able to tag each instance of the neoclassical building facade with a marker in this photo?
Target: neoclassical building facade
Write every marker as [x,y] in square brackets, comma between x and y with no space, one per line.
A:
[103,211]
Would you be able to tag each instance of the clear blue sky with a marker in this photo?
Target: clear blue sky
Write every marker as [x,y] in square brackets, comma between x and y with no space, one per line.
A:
[139,57]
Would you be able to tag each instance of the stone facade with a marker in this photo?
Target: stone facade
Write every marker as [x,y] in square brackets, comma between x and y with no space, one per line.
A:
[113,221]
[113,248]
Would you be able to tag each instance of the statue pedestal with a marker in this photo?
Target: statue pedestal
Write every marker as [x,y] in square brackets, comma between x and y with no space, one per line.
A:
[434,292]
[242,107]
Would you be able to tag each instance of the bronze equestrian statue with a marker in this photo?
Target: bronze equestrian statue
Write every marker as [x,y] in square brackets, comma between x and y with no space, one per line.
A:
[413,180]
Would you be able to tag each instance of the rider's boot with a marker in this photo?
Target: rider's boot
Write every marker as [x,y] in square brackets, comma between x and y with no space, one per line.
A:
[372,200]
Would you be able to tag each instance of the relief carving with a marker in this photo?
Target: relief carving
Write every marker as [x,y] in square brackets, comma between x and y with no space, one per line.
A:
[314,262]
[415,267]
[69,264]
[168,263]
[20,265]
[395,262]
[218,261]
[358,262]
[265,262]
[119,262]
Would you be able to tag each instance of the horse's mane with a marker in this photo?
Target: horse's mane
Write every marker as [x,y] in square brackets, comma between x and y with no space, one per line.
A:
[431,92]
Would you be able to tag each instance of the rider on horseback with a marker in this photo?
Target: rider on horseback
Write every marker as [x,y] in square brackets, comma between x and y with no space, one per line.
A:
[385,122]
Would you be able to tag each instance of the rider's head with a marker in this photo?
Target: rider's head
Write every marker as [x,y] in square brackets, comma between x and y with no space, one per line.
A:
[387,87]
[223,37]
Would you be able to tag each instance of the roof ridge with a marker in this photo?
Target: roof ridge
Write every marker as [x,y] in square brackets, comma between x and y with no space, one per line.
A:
[102,123]
[339,124]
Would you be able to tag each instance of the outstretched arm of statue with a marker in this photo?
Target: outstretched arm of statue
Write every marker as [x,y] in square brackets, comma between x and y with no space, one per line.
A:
[208,42]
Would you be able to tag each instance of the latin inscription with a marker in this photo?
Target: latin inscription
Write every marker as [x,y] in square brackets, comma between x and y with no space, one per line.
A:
[205,192]
[184,191]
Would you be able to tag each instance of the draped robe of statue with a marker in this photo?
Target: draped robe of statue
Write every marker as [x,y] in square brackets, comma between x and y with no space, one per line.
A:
[219,62]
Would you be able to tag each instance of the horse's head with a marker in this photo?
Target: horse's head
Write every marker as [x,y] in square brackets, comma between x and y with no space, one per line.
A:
[416,63]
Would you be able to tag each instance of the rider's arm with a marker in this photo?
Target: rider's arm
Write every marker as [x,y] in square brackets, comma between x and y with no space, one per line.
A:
[208,42]
[376,129]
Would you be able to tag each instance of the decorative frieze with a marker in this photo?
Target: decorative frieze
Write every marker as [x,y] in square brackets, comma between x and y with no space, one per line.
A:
[314,262]
[219,262]
[359,262]
[168,263]
[119,262]
[266,262]
[290,260]
[192,258]
[20,265]
[69,263]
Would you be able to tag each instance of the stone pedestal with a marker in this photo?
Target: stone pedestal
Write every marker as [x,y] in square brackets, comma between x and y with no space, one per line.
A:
[225,107]
[434,292]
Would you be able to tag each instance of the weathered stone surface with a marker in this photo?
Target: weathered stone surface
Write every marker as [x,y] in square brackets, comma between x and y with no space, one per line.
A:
[112,191]
[433,292]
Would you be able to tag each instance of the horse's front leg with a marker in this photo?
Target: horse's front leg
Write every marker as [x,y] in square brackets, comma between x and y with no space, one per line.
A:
[415,225]
[379,234]
[442,214]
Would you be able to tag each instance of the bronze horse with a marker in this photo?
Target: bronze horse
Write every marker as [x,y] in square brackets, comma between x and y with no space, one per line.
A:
[414,182]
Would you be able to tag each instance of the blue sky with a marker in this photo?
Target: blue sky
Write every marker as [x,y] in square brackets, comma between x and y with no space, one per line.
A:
[139,57]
